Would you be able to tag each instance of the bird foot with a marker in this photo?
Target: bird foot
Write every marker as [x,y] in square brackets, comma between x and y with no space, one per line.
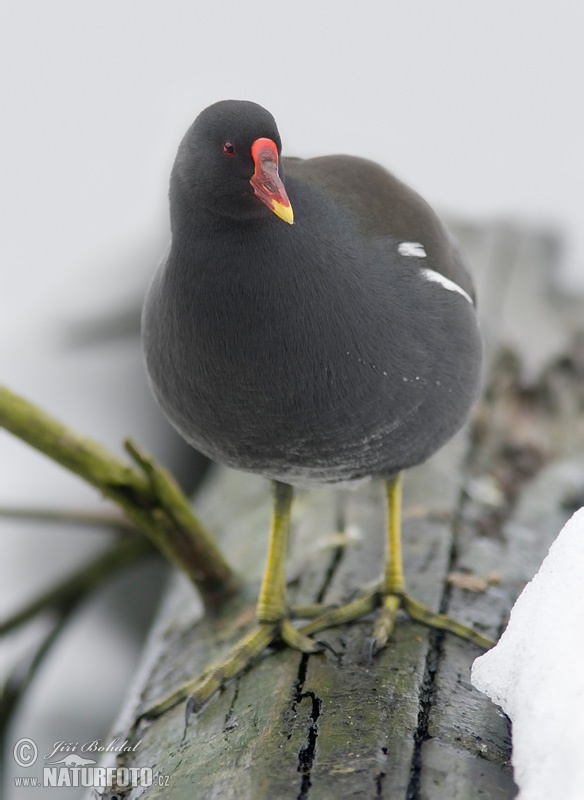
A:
[310,611]
[385,622]
[389,604]
[296,639]
[202,688]
[421,613]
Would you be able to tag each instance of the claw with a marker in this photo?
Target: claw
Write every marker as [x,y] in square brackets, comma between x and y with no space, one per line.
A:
[327,646]
[189,709]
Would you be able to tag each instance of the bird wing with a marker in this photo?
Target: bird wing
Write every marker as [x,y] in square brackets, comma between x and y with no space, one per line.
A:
[384,206]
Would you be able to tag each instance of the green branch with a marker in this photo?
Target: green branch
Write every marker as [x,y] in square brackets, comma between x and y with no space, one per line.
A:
[66,516]
[151,498]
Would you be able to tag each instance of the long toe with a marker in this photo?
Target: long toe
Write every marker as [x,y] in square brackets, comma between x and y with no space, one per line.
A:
[385,621]
[297,640]
[441,622]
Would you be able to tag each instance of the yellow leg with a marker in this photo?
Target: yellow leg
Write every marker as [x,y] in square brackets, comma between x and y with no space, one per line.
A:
[272,618]
[393,578]
[393,584]
[391,595]
[272,608]
[273,621]
[272,598]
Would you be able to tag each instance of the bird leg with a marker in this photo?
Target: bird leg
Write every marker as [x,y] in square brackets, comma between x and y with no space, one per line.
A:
[388,595]
[272,619]
[272,608]
[391,595]
[273,616]
[393,584]
[393,587]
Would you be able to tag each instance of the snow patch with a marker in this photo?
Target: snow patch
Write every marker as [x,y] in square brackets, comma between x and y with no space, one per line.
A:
[536,673]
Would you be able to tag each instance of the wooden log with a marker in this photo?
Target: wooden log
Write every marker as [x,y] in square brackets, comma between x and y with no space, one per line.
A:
[478,519]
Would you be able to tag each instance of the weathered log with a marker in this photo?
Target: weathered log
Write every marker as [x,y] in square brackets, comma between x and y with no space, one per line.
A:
[480,514]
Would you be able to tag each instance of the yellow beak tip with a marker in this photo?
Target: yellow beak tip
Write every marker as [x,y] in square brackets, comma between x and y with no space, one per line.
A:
[284,212]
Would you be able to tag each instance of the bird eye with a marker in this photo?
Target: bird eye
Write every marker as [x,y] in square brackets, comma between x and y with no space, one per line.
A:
[228,149]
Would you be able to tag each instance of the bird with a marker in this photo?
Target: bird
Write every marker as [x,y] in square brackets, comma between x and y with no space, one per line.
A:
[312,322]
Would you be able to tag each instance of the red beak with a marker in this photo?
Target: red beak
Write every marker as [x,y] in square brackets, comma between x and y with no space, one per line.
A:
[266,182]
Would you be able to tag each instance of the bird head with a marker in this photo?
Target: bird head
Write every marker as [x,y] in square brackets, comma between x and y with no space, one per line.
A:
[229,163]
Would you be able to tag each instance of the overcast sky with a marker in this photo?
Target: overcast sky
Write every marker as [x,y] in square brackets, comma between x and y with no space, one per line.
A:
[478,106]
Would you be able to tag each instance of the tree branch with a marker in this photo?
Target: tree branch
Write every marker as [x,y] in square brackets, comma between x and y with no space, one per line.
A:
[166,519]
[66,516]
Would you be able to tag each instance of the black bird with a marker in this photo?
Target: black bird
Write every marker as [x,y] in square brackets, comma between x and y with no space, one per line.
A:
[339,347]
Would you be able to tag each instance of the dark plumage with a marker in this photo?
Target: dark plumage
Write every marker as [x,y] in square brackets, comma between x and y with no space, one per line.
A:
[342,347]
[312,352]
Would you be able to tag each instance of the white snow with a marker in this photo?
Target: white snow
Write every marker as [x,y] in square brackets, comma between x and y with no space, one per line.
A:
[536,673]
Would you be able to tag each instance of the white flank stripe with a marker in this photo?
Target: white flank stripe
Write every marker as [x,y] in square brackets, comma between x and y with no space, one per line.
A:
[412,249]
[432,275]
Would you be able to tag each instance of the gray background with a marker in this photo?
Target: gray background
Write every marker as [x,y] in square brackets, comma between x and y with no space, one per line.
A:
[478,106]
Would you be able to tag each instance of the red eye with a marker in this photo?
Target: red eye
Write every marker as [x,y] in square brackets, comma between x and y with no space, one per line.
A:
[228,149]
